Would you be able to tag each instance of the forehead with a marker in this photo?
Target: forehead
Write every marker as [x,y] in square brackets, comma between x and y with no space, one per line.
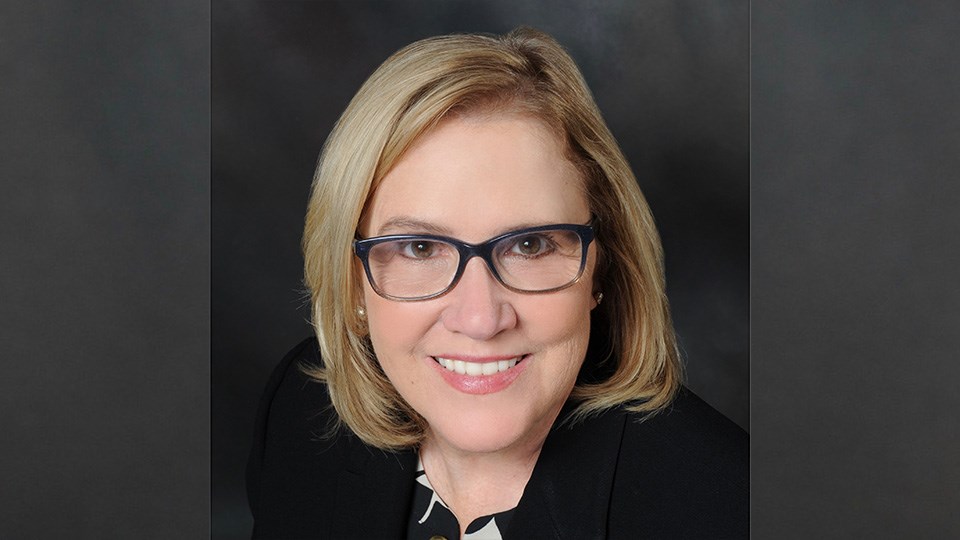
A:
[477,176]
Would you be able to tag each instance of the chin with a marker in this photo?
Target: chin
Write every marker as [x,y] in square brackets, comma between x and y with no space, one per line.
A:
[482,433]
[477,442]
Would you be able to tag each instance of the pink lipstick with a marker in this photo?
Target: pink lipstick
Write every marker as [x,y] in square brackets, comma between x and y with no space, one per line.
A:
[472,375]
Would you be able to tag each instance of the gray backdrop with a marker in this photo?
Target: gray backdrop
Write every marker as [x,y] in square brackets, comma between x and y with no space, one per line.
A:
[855,296]
[105,274]
[671,78]
[104,270]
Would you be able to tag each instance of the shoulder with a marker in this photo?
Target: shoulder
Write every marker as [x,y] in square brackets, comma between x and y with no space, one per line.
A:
[292,401]
[688,466]
[682,473]
[294,456]
[288,379]
[305,480]
[293,407]
[693,428]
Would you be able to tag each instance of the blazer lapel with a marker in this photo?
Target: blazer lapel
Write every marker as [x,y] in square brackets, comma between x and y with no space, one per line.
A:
[568,494]
[374,491]
[567,497]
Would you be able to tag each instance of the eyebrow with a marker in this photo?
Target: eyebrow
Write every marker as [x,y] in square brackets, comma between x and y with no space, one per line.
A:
[410,225]
[406,224]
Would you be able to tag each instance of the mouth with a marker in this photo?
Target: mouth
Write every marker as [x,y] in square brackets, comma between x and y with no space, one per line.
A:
[478,369]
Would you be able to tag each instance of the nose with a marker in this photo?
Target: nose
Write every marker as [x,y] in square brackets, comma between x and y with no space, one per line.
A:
[478,306]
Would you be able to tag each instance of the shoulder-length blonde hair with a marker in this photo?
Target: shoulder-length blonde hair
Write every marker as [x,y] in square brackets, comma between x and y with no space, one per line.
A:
[524,71]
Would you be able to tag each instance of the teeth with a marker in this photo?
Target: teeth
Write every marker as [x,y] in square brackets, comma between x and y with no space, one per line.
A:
[474,369]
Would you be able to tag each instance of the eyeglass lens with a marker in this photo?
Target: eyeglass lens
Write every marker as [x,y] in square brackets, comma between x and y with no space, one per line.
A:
[527,261]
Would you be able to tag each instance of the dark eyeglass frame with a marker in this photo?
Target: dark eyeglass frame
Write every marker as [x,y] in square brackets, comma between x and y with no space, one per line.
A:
[484,250]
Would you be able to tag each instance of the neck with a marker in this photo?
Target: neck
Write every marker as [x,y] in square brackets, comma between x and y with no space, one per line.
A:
[474,484]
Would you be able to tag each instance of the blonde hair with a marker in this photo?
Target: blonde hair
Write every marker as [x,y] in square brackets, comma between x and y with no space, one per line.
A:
[525,71]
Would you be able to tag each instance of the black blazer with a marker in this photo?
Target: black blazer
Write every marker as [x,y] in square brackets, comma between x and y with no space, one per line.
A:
[680,474]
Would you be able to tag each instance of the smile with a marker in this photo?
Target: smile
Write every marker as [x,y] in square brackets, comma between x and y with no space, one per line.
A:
[476,369]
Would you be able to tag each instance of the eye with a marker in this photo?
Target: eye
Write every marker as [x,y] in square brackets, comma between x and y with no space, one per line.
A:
[531,245]
[419,249]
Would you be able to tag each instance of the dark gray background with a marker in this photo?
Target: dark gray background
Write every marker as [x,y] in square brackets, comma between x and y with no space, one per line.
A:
[105,273]
[671,78]
[855,288]
[104,306]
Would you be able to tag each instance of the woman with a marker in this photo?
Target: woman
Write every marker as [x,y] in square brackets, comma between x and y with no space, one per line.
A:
[492,330]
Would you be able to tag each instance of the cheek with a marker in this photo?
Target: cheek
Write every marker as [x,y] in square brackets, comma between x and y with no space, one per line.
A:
[396,328]
[387,333]
[563,322]
[572,320]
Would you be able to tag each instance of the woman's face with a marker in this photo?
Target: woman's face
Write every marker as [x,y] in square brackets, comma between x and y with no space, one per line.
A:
[474,178]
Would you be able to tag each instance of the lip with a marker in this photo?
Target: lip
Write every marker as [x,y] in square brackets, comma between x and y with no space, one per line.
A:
[480,384]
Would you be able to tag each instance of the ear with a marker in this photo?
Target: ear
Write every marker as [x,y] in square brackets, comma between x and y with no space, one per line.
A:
[598,270]
[356,306]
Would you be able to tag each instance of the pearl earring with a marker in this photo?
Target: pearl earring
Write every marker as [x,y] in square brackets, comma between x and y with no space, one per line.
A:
[361,312]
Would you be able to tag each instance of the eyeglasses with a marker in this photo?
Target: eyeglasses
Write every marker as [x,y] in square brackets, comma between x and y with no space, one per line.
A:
[422,266]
